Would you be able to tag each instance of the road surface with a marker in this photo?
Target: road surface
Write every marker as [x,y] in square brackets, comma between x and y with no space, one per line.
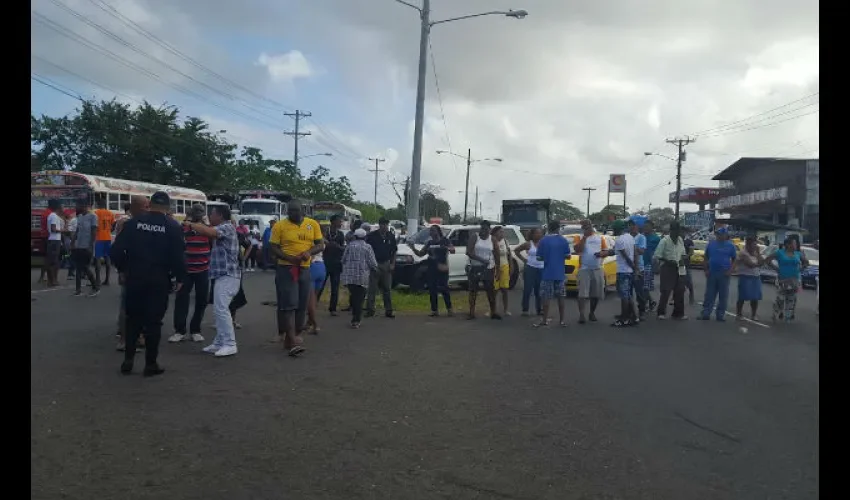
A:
[421,408]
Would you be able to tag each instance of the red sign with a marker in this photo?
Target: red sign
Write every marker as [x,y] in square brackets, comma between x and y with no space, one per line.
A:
[697,195]
[435,220]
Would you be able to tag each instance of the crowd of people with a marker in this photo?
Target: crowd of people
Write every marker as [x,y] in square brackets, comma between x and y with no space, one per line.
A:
[155,255]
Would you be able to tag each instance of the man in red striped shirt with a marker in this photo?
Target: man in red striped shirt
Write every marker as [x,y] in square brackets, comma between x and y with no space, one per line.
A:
[198,266]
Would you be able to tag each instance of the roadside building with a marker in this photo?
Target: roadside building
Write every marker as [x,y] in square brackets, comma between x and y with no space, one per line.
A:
[780,191]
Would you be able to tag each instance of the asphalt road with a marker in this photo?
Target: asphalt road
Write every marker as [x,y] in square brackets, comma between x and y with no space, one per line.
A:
[421,408]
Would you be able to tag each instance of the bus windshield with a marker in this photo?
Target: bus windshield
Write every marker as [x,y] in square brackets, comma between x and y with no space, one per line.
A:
[524,214]
[67,197]
[260,208]
[325,215]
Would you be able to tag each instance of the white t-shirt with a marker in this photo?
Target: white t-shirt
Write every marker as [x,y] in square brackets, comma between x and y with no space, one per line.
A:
[54,220]
[627,243]
[592,245]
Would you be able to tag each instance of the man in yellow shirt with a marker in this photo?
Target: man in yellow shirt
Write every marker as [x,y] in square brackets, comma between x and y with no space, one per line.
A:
[103,239]
[293,242]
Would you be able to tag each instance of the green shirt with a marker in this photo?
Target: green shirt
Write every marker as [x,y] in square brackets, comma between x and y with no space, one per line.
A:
[673,252]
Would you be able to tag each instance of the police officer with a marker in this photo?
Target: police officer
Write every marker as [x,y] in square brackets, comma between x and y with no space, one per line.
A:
[149,250]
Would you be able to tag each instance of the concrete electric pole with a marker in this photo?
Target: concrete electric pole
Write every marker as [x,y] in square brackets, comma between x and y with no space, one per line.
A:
[589,190]
[377,170]
[297,134]
[680,143]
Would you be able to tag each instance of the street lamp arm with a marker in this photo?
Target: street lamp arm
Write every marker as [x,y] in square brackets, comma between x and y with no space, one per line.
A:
[517,14]
[410,5]
[442,151]
[661,155]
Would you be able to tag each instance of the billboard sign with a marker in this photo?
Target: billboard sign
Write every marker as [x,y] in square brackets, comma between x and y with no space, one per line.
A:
[698,220]
[617,183]
[740,200]
[696,195]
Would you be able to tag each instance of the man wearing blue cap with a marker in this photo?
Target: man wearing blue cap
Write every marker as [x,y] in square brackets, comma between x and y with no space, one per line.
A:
[720,254]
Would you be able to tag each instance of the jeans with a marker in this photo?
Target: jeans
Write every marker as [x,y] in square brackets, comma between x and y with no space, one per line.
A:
[383,279]
[226,287]
[531,277]
[357,293]
[201,283]
[334,271]
[438,284]
[716,285]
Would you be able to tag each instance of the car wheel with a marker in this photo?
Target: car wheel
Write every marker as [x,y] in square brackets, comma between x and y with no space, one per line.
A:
[419,282]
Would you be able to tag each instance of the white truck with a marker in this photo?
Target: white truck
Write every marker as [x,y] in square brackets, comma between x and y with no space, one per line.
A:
[410,269]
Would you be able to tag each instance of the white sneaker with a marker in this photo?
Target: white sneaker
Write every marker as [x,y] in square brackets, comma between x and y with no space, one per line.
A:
[227,351]
[197,337]
[177,337]
[211,349]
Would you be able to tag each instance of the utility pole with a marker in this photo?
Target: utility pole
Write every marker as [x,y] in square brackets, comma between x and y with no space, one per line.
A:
[475,207]
[297,134]
[377,170]
[589,190]
[680,143]
[466,190]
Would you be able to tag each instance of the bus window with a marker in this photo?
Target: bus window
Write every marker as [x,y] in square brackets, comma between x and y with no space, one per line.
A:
[113,202]
[124,199]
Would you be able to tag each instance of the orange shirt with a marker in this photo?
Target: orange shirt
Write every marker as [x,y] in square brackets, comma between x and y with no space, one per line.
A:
[105,220]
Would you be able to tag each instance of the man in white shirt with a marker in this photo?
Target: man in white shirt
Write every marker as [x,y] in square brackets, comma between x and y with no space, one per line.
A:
[592,248]
[624,251]
[54,242]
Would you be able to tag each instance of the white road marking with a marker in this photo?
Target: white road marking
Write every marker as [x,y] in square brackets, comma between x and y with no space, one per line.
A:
[743,318]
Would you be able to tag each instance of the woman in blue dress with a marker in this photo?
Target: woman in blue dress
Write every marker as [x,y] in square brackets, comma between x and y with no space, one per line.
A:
[788,262]
[747,265]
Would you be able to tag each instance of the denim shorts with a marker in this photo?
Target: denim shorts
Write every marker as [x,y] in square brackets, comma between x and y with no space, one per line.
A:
[550,289]
[624,285]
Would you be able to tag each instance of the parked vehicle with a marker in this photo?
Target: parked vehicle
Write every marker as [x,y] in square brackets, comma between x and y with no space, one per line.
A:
[410,269]
[698,257]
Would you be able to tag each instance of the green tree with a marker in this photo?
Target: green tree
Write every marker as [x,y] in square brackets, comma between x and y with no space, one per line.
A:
[369,211]
[662,217]
[609,214]
[565,210]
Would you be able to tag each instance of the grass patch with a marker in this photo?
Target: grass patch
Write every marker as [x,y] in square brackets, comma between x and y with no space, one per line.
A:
[406,300]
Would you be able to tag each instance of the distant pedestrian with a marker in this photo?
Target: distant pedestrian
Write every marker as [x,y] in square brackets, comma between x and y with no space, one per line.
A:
[225,276]
[652,241]
[689,279]
[747,265]
[148,251]
[198,249]
[637,283]
[532,273]
[788,262]
[83,251]
[55,226]
[438,248]
[553,250]
[105,223]
[672,267]
[502,267]
[358,263]
[385,247]
[720,253]
[591,248]
[480,271]
[332,255]
[268,261]
[624,251]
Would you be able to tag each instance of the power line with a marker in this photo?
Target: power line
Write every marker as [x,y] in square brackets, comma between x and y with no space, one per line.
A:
[377,171]
[296,134]
[763,126]
[440,100]
[719,127]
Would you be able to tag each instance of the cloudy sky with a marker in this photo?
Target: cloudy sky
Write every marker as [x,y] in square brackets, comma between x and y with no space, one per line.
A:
[567,96]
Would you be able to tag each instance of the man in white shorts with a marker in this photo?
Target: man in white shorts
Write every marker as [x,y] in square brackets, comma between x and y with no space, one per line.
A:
[591,278]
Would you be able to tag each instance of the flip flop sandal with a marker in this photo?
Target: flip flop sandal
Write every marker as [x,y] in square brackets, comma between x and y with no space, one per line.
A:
[542,322]
[296,351]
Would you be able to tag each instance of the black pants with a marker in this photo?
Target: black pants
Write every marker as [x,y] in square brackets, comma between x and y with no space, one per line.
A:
[640,295]
[201,283]
[251,260]
[145,308]
[357,293]
[438,283]
[333,273]
[672,283]
[82,263]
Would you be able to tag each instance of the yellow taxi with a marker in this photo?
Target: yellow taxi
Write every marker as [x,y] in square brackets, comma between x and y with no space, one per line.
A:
[698,257]
[571,264]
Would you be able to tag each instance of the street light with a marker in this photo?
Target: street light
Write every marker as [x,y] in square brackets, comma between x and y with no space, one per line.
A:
[659,154]
[469,162]
[425,31]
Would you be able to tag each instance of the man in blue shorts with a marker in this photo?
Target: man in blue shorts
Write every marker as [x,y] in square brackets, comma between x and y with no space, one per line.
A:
[624,251]
[553,250]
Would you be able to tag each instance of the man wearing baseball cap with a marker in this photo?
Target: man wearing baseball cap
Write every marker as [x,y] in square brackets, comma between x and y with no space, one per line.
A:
[720,253]
[149,251]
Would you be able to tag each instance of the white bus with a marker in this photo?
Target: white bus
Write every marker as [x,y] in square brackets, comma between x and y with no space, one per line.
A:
[323,210]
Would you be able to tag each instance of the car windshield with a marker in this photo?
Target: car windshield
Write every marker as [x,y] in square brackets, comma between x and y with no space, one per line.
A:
[567,230]
[421,237]
[700,245]
[811,253]
[259,208]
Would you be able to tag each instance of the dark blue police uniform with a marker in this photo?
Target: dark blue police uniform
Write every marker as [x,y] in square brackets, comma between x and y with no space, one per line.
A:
[149,251]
